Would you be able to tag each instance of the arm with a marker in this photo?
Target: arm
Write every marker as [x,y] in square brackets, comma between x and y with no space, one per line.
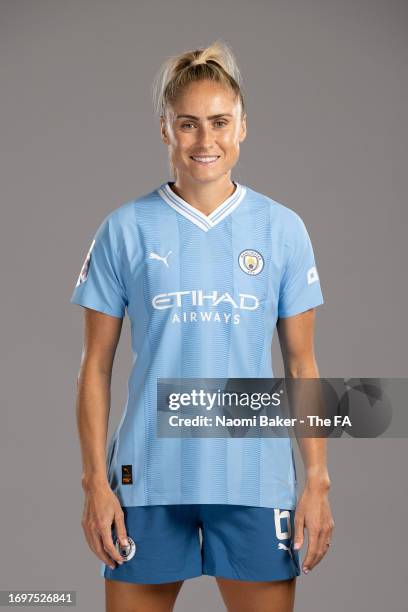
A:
[313,510]
[102,507]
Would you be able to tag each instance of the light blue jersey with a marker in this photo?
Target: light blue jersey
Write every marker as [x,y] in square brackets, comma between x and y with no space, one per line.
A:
[203,294]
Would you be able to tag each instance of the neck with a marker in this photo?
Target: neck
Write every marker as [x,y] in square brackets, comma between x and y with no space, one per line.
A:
[206,197]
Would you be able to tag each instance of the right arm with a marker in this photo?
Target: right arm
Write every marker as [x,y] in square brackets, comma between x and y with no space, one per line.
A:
[102,507]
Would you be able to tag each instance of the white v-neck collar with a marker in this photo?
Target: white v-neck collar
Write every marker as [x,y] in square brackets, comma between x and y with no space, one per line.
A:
[204,222]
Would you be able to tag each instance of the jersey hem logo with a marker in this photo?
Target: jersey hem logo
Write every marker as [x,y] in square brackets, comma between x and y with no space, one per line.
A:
[127,477]
[251,261]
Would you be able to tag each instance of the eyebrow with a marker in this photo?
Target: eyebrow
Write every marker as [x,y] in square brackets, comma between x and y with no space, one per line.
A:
[197,118]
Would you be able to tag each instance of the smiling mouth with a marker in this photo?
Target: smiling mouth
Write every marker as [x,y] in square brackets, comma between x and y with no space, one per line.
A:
[205,160]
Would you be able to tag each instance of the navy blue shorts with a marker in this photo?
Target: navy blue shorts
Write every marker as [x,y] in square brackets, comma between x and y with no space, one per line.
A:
[238,542]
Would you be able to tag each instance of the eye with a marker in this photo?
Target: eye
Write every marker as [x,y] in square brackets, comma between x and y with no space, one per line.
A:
[222,122]
[185,124]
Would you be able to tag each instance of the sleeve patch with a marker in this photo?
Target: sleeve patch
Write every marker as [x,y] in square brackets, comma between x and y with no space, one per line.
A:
[83,275]
[312,275]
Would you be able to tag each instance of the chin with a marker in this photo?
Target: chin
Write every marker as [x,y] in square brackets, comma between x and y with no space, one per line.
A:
[212,172]
[206,177]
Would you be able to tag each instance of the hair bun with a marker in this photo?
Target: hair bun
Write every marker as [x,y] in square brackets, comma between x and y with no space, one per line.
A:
[219,64]
[198,60]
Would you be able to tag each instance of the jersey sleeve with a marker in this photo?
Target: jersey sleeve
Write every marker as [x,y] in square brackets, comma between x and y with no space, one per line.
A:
[300,283]
[100,283]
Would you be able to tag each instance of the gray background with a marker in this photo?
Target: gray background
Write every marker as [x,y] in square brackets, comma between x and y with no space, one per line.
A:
[325,84]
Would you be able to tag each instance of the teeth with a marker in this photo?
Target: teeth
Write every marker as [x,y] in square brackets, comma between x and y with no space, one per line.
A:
[205,159]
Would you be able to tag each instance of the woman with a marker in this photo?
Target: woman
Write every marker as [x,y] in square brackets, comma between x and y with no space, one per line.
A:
[206,267]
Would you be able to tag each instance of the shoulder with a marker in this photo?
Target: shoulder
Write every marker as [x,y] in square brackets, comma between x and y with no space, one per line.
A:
[284,219]
[134,209]
[120,222]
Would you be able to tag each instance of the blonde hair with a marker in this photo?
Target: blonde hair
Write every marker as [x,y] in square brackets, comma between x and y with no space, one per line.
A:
[215,63]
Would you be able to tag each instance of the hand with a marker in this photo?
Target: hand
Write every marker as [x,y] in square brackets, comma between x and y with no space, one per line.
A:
[101,509]
[313,512]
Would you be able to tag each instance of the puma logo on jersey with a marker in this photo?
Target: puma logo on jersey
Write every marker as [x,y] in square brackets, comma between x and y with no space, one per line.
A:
[312,275]
[160,258]
[284,547]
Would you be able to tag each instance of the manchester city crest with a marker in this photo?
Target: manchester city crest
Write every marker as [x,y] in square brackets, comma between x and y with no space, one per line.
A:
[251,261]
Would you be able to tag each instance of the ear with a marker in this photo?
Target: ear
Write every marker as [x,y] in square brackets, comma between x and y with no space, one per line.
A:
[163,131]
[243,128]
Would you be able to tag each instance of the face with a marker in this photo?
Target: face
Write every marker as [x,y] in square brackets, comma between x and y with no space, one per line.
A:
[204,121]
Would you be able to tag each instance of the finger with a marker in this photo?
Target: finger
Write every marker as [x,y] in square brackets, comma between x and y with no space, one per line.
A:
[100,551]
[87,532]
[298,538]
[95,545]
[106,535]
[312,545]
[322,548]
[120,528]
[323,544]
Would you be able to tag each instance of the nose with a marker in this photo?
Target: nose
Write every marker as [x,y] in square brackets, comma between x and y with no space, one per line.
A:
[205,137]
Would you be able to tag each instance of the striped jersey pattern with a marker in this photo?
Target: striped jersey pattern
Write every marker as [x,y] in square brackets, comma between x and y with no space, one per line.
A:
[203,294]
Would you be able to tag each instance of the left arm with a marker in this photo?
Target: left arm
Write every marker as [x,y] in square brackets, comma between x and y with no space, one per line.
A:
[313,509]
